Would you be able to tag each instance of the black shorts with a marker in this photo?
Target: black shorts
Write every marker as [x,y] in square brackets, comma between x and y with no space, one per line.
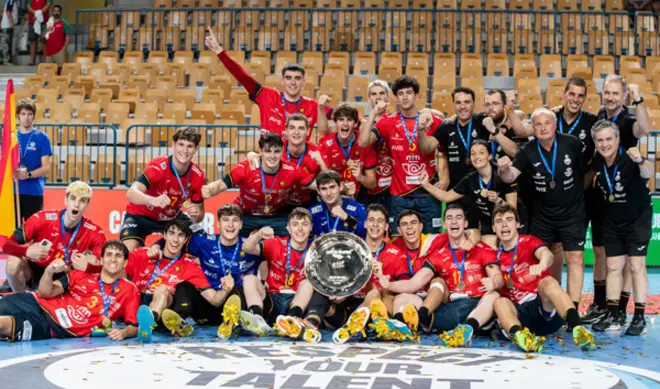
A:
[593,204]
[254,223]
[30,205]
[29,320]
[38,272]
[453,313]
[188,302]
[541,323]
[146,298]
[140,227]
[569,233]
[276,304]
[32,35]
[631,239]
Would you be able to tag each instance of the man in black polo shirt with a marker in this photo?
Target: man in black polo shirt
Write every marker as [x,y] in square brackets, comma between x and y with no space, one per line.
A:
[553,166]
[621,179]
[507,121]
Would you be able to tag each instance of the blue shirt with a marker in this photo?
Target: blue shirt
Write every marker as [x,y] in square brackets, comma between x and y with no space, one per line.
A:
[323,222]
[216,259]
[32,147]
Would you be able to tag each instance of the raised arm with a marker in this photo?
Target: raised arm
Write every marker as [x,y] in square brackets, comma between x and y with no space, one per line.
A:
[236,70]
[506,170]
[643,125]
[367,136]
[47,287]
[251,244]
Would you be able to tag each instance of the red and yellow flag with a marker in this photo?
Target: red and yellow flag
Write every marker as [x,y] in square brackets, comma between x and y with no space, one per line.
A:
[9,160]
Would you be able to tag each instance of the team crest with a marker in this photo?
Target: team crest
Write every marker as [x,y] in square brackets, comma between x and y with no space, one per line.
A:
[281,183]
[583,135]
[357,152]
[125,233]
[242,253]
[177,269]
[618,187]
[474,133]
[567,160]
[568,172]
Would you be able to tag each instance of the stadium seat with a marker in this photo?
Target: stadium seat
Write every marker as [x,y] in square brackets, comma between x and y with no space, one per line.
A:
[602,66]
[204,111]
[364,63]
[284,58]
[551,66]
[175,111]
[529,103]
[574,62]
[106,169]
[47,70]
[357,88]
[442,101]
[471,64]
[592,104]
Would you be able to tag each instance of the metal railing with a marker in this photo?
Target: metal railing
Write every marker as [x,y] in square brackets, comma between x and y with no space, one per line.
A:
[366,29]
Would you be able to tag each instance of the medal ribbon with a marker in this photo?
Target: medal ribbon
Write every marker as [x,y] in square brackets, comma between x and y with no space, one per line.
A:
[156,273]
[411,262]
[73,236]
[284,102]
[613,120]
[106,301]
[513,258]
[288,262]
[226,268]
[572,129]
[300,159]
[327,216]
[410,138]
[545,161]
[481,182]
[27,144]
[607,176]
[380,248]
[346,152]
[469,136]
[178,179]
[461,266]
[263,183]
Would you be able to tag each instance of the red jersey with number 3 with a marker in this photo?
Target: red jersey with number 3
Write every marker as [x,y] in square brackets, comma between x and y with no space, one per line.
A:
[443,265]
[524,283]
[159,177]
[334,156]
[80,309]
[275,252]
[407,161]
[271,110]
[140,268]
[252,198]
[47,225]
[299,195]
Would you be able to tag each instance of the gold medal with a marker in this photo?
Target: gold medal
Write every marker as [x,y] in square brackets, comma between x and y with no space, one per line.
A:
[106,323]
[611,198]
[412,147]
[509,283]
[350,163]
[268,197]
[460,286]
[552,184]
[484,193]
[266,209]
[186,204]
[289,280]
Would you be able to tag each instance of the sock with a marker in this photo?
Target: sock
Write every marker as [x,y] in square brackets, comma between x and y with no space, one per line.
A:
[313,320]
[600,294]
[256,310]
[639,309]
[295,311]
[576,304]
[472,322]
[425,317]
[623,301]
[613,307]
[399,316]
[514,329]
[156,316]
[572,318]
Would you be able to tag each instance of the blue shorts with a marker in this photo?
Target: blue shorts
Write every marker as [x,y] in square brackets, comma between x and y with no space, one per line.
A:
[29,320]
[428,207]
[277,304]
[532,316]
[451,314]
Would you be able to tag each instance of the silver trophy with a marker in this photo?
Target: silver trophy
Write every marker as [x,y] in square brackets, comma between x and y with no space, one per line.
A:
[337,264]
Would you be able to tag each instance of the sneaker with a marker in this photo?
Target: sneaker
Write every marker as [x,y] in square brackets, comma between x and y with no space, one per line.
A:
[594,314]
[254,324]
[355,324]
[583,338]
[458,337]
[393,329]
[529,342]
[608,323]
[173,322]
[5,287]
[311,334]
[623,318]
[146,324]
[378,310]
[231,313]
[637,327]
[288,326]
[410,317]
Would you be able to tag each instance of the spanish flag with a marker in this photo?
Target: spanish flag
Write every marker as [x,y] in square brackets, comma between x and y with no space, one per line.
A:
[9,160]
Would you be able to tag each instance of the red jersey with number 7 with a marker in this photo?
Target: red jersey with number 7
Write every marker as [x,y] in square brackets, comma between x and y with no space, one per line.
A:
[160,178]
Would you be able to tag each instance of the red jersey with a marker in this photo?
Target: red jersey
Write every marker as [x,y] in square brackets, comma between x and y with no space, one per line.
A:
[252,197]
[299,195]
[443,265]
[38,5]
[384,167]
[57,38]
[80,310]
[274,109]
[336,157]
[430,243]
[278,252]
[525,285]
[48,225]
[395,264]
[160,178]
[407,161]
[140,269]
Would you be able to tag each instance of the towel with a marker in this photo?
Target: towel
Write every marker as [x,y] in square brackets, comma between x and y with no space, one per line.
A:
[38,19]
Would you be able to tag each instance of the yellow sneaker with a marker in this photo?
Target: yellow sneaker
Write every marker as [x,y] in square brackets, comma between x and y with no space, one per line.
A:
[583,338]
[176,324]
[458,337]
[378,310]
[529,342]
[410,317]
[310,334]
[355,324]
[288,326]
[231,314]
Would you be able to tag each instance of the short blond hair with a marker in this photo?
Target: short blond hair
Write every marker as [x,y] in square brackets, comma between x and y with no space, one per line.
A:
[79,189]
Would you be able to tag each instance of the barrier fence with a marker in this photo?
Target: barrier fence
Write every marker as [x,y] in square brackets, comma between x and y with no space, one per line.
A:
[371,30]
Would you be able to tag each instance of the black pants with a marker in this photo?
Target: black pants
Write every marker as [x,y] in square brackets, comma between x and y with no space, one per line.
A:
[188,302]
[319,305]
[30,205]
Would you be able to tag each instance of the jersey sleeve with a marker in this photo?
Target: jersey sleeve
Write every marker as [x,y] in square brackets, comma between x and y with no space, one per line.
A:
[240,74]
[488,256]
[196,187]
[370,159]
[96,248]
[270,248]
[520,161]
[67,29]
[237,175]
[535,244]
[361,217]
[28,231]
[46,149]
[133,263]
[463,186]
[130,306]
[303,177]
[150,175]
[581,157]
[197,278]
[382,128]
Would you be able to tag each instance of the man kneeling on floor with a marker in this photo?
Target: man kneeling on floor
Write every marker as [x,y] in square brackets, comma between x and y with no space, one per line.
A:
[532,303]
[76,304]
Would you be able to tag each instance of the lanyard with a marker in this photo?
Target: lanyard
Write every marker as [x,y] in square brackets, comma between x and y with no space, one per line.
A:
[493,149]
[327,216]
[513,258]
[469,136]
[380,248]
[554,157]
[613,120]
[157,273]
[226,268]
[73,236]
[267,194]
[288,260]
[27,144]
[461,266]
[106,301]
[411,262]
[572,129]
[346,152]
[178,179]
[284,102]
[607,176]
[481,182]
[300,159]
[410,138]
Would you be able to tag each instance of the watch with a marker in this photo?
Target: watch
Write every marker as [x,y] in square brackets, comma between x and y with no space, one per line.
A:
[29,174]
[638,102]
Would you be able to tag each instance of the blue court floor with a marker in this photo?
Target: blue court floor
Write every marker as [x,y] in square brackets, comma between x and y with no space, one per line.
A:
[203,361]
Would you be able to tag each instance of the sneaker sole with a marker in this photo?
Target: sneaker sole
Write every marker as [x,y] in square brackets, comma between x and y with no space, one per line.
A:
[173,321]
[233,305]
[145,324]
